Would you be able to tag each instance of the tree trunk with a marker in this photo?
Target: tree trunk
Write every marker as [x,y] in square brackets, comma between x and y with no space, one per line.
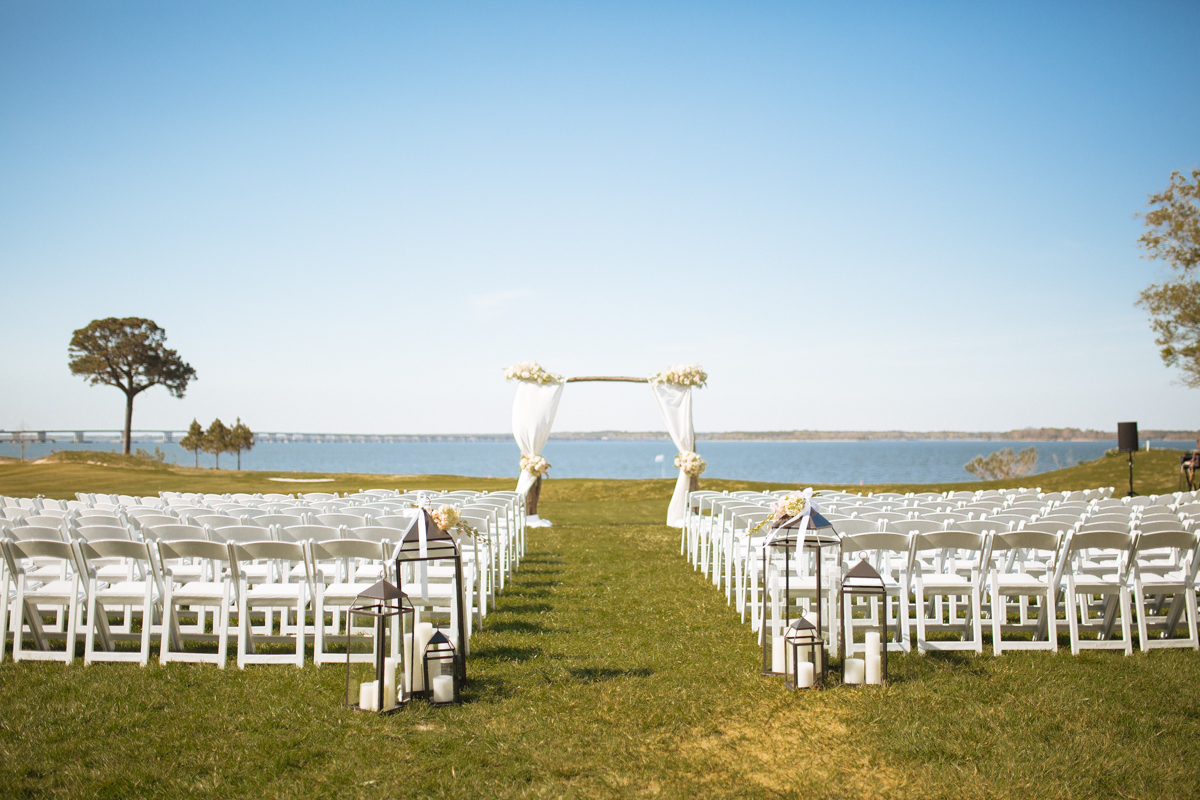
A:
[218,454]
[128,421]
[531,497]
[197,452]
[693,483]
[239,452]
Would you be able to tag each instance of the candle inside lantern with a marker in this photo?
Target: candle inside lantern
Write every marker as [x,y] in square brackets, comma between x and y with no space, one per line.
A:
[874,662]
[443,688]
[855,670]
[805,678]
[368,696]
[390,666]
[778,658]
[414,656]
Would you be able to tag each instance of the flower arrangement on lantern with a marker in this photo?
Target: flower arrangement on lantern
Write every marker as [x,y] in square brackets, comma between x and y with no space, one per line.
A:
[531,372]
[535,465]
[682,375]
[449,518]
[691,463]
[789,506]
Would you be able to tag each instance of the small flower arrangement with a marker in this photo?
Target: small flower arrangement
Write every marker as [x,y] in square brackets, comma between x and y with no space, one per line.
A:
[682,375]
[446,517]
[691,463]
[535,465]
[788,507]
[531,372]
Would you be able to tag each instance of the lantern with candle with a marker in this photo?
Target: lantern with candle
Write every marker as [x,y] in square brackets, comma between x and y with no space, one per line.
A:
[863,583]
[805,647]
[381,693]
[421,544]
[440,664]
[806,534]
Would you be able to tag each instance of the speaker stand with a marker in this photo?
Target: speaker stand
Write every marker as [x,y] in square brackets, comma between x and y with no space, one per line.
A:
[1132,493]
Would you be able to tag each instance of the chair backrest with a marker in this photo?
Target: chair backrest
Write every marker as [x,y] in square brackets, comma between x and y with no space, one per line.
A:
[91,512]
[17,551]
[1101,539]
[855,526]
[349,520]
[1160,525]
[374,533]
[90,533]
[283,520]
[174,533]
[888,516]
[44,521]
[400,521]
[317,532]
[1177,539]
[176,550]
[292,552]
[37,533]
[332,549]
[214,520]
[890,541]
[1026,540]
[241,533]
[89,552]
[954,539]
[907,526]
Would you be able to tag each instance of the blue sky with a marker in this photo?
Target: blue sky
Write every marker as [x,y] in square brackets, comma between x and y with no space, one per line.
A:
[352,218]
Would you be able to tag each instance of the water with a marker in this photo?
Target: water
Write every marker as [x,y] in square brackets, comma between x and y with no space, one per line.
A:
[778,462]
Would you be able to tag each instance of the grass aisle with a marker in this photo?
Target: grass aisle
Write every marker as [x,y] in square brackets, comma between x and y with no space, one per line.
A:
[611,669]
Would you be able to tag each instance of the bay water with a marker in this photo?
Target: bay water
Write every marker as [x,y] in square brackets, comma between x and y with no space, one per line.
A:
[848,462]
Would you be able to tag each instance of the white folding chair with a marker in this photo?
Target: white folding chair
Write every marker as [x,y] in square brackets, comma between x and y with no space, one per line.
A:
[215,588]
[141,592]
[1153,583]
[64,595]
[934,564]
[279,592]
[1042,582]
[336,558]
[1098,568]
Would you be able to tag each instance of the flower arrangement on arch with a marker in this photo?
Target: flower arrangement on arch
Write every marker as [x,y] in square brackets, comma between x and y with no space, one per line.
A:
[683,375]
[691,463]
[531,372]
[535,465]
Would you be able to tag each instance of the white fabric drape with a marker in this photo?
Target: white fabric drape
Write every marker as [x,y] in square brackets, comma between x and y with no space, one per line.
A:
[675,403]
[533,413]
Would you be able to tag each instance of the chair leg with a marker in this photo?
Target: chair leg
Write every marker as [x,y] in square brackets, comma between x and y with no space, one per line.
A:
[1123,595]
[299,629]
[73,619]
[998,611]
[1072,611]
[1052,619]
[89,639]
[976,609]
[1143,629]
[920,609]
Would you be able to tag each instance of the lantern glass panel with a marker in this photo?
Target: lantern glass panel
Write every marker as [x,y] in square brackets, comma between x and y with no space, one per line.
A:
[865,626]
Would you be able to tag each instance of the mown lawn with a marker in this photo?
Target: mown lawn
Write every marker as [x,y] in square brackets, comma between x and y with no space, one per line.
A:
[609,669]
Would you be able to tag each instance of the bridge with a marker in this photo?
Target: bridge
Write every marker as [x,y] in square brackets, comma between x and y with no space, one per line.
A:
[109,435]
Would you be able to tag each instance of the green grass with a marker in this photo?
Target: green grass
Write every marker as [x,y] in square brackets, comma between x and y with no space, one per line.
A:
[609,669]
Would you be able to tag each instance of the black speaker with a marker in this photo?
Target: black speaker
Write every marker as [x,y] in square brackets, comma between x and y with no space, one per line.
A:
[1127,436]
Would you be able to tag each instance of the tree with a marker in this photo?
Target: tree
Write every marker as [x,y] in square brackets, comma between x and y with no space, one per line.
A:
[194,440]
[240,438]
[1003,465]
[1173,236]
[216,440]
[131,355]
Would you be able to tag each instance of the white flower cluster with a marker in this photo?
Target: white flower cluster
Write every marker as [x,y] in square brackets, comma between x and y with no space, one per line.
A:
[532,372]
[446,517]
[682,375]
[790,505]
[691,463]
[535,465]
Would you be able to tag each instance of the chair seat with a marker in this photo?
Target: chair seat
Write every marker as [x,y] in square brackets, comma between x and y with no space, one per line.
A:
[1108,583]
[124,591]
[198,591]
[276,591]
[1020,580]
[946,582]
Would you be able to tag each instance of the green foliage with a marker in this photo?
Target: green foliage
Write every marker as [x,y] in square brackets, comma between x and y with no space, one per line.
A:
[1173,236]
[217,440]
[130,354]
[1003,465]
[240,438]
[194,440]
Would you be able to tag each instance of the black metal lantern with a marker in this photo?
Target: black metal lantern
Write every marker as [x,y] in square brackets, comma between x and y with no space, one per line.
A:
[806,646]
[819,535]
[423,542]
[863,582]
[440,662]
[385,693]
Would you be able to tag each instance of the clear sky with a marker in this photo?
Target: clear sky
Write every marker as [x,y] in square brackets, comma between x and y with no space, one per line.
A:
[352,217]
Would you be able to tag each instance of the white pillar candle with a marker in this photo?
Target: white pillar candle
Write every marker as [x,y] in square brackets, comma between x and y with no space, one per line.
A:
[422,633]
[874,662]
[855,670]
[805,679]
[390,666]
[778,660]
[368,696]
[443,688]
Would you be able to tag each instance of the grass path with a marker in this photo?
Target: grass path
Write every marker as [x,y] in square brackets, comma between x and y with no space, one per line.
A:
[611,669]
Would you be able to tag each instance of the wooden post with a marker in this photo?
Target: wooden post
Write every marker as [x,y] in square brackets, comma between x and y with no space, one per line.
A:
[531,497]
